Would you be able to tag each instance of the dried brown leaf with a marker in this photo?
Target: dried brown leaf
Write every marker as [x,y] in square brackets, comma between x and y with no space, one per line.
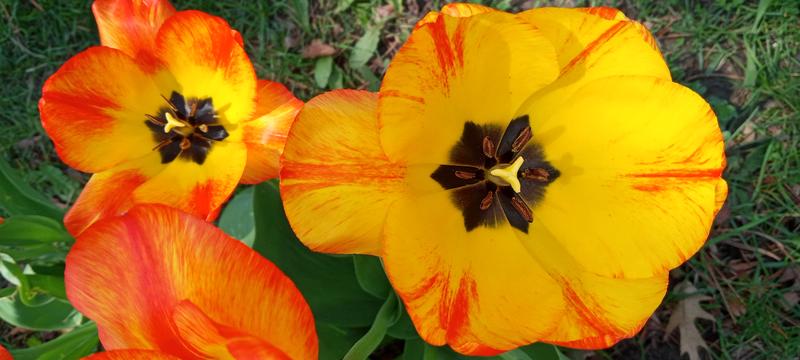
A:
[316,49]
[683,318]
[790,300]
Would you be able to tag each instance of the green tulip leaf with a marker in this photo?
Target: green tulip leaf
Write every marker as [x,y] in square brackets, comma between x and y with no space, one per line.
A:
[370,275]
[18,198]
[387,315]
[51,314]
[238,219]
[73,345]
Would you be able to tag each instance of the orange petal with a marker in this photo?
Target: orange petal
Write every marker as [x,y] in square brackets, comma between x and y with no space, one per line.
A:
[205,60]
[196,189]
[131,355]
[94,116]
[132,25]
[107,194]
[132,275]
[334,169]
[4,354]
[265,136]
[204,336]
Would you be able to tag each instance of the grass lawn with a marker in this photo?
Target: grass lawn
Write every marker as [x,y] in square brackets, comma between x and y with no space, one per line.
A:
[742,56]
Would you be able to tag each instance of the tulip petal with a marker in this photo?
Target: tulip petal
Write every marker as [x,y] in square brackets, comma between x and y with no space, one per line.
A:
[196,189]
[95,116]
[640,161]
[600,310]
[478,291]
[132,25]
[458,69]
[213,340]
[464,10]
[334,169]
[108,193]
[131,355]
[265,136]
[592,43]
[4,354]
[454,10]
[490,290]
[204,60]
[132,274]
[200,190]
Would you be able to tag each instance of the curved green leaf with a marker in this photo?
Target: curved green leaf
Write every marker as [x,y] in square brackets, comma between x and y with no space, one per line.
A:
[238,218]
[53,314]
[73,345]
[370,275]
[18,198]
[387,315]
[22,230]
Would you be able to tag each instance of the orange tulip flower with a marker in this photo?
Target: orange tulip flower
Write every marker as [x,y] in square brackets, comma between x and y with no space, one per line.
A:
[168,110]
[161,280]
[528,177]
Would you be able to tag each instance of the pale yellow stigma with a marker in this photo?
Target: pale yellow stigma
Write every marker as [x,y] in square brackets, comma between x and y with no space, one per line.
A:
[508,174]
[172,123]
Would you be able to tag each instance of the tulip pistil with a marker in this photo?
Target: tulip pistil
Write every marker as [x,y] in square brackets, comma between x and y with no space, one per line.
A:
[500,175]
[185,128]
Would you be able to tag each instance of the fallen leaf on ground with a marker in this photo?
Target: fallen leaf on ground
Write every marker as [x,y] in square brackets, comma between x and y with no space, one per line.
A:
[683,318]
[317,48]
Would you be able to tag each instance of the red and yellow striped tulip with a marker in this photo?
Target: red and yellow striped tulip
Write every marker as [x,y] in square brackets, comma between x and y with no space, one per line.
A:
[524,177]
[164,281]
[168,110]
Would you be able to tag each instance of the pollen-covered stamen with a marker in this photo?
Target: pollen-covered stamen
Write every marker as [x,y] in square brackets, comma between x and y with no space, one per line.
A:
[522,139]
[465,175]
[536,174]
[185,128]
[486,203]
[522,208]
[488,147]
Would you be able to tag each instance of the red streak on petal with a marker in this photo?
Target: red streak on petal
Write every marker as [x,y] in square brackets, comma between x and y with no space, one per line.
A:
[602,39]
[687,173]
[91,108]
[588,313]
[362,173]
[201,198]
[458,41]
[444,50]
[398,94]
[604,12]
[648,187]
[458,319]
